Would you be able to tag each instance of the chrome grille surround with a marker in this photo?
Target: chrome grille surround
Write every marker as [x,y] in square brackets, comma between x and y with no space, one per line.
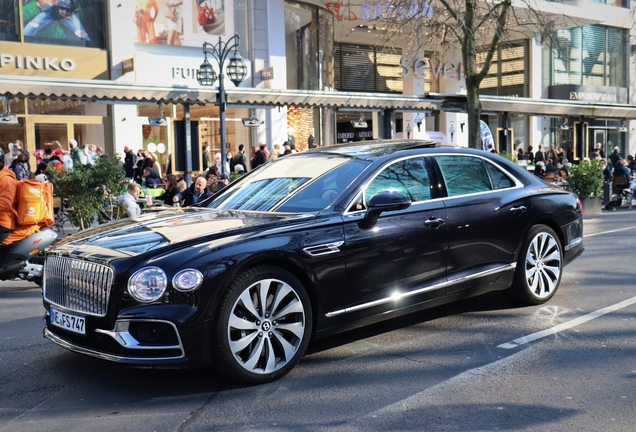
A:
[77,285]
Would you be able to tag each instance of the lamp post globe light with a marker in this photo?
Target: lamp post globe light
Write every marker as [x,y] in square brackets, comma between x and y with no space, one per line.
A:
[236,72]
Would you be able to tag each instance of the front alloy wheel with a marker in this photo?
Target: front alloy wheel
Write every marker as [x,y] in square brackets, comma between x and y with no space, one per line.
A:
[266,320]
[539,267]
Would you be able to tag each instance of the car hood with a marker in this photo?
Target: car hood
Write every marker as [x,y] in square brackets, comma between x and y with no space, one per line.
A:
[169,229]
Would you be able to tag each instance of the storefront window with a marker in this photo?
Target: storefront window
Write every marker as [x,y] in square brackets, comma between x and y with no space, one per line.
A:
[589,55]
[367,68]
[301,46]
[11,132]
[508,73]
[46,133]
[65,107]
[77,23]
[242,26]
[89,134]
[519,127]
[9,21]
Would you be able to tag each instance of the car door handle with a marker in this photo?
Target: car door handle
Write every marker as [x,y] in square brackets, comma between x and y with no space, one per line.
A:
[434,223]
[518,210]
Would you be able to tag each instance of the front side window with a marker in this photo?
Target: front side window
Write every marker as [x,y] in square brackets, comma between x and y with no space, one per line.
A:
[409,177]
[464,175]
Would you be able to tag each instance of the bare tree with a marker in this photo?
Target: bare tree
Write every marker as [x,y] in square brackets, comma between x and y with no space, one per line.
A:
[476,28]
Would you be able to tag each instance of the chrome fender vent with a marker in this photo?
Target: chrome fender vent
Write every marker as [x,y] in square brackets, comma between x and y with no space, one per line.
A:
[323,249]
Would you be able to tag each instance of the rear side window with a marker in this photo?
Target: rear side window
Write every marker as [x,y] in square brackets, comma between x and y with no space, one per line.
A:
[499,179]
[464,174]
[409,177]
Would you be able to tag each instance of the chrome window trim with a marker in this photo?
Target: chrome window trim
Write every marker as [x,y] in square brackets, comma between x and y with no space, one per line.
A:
[364,187]
[517,183]
[417,291]
[574,243]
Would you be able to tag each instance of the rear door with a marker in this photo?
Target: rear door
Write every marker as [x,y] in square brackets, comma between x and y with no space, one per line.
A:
[488,211]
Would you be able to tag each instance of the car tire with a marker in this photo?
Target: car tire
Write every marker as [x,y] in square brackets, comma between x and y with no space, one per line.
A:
[255,344]
[539,267]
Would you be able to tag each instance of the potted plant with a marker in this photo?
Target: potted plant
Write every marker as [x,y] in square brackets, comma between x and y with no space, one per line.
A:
[586,181]
[90,192]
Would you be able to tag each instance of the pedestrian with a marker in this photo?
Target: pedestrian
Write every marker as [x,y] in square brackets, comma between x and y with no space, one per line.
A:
[129,199]
[78,156]
[239,158]
[101,153]
[42,166]
[259,157]
[615,156]
[21,169]
[8,189]
[193,196]
[129,162]
[311,142]
[540,156]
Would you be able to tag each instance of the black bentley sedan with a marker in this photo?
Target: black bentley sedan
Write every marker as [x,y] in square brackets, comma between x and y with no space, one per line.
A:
[309,245]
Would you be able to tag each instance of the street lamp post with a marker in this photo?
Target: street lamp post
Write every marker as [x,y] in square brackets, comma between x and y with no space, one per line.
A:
[236,71]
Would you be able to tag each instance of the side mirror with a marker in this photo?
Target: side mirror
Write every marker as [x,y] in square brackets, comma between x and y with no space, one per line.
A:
[383,202]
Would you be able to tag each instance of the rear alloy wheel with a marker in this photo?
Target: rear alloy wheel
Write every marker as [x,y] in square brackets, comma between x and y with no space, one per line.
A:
[539,268]
[264,325]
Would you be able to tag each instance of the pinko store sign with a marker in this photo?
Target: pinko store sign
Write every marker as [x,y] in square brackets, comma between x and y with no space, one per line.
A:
[380,11]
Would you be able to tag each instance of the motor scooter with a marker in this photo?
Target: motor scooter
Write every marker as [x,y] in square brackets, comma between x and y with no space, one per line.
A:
[25,258]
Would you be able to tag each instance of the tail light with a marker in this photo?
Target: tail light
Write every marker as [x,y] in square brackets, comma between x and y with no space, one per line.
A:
[580,206]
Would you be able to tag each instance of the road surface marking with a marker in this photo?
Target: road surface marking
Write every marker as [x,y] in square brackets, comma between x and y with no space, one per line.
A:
[567,325]
[609,232]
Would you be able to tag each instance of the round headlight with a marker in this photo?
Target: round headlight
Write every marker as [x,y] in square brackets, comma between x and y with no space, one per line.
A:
[187,280]
[148,284]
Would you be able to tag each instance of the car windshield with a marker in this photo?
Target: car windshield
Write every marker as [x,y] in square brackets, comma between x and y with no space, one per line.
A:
[299,183]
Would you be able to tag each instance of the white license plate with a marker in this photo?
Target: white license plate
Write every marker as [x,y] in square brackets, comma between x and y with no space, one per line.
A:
[74,323]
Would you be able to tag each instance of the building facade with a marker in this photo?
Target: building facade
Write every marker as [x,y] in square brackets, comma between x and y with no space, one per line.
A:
[123,73]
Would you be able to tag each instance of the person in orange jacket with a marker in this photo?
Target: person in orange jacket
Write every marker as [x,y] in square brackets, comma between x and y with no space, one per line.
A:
[8,188]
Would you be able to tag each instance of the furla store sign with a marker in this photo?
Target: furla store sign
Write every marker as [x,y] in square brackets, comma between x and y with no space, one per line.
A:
[421,66]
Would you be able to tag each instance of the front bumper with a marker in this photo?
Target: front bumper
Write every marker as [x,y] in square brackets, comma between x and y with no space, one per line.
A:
[151,341]
[120,345]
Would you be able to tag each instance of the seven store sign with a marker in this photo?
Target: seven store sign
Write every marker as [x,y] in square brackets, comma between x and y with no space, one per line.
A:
[381,10]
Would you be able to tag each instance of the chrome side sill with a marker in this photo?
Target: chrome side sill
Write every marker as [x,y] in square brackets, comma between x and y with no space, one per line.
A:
[574,243]
[397,295]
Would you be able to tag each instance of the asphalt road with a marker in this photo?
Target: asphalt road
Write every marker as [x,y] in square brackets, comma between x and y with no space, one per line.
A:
[482,364]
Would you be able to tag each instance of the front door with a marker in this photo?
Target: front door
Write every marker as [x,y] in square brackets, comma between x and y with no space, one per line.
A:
[404,251]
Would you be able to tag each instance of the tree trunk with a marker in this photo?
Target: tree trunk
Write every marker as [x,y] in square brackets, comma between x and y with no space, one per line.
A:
[473,109]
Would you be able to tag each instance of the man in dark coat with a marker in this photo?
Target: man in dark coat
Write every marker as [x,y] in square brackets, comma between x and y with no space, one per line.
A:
[238,159]
[259,158]
[129,162]
[192,196]
[151,177]
[615,156]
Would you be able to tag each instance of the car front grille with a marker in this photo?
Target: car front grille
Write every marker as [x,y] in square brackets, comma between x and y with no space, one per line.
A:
[76,285]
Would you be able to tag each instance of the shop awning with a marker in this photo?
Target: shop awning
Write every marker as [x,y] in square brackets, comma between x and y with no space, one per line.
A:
[100,90]
[540,107]
[109,91]
[552,107]
[335,99]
